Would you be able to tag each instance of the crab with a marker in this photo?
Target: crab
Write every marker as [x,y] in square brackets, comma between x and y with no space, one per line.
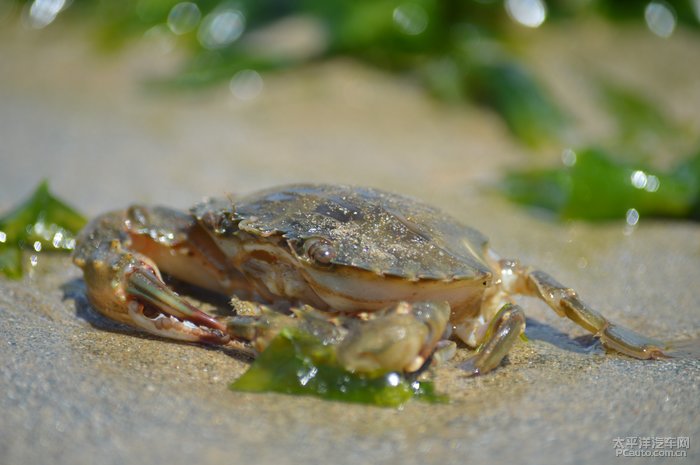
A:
[388,280]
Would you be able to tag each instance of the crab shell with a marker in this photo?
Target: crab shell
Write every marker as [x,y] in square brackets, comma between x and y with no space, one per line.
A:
[347,249]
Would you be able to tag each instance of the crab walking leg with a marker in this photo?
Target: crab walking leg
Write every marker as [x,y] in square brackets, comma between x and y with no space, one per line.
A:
[126,285]
[502,332]
[566,302]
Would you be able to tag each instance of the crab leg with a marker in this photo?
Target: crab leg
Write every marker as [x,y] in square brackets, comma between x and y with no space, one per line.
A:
[125,285]
[503,330]
[566,302]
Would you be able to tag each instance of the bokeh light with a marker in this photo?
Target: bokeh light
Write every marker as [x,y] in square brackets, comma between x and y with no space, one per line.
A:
[221,27]
[246,85]
[632,217]
[184,17]
[411,18]
[568,157]
[660,18]
[43,12]
[530,13]
[645,181]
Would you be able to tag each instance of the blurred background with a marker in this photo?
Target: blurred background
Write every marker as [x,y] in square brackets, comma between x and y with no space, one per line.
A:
[541,99]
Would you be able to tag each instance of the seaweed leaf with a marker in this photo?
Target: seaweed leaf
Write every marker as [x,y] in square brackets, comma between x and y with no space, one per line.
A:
[42,222]
[597,187]
[297,363]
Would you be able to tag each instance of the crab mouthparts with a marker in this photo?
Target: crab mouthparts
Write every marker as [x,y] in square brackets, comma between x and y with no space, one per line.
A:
[160,311]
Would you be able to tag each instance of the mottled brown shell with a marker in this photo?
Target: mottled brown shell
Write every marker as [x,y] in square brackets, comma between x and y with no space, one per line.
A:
[367,228]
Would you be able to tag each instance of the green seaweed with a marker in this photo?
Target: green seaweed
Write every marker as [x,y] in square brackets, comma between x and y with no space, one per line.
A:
[595,186]
[297,363]
[42,222]
[527,110]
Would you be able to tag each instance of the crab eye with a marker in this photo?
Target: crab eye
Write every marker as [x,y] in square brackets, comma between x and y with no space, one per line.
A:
[320,251]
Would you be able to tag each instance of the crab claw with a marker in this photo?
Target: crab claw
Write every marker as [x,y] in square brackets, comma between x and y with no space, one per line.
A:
[125,285]
[155,308]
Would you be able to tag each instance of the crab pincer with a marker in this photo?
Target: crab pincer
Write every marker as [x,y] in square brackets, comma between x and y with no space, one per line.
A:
[126,286]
